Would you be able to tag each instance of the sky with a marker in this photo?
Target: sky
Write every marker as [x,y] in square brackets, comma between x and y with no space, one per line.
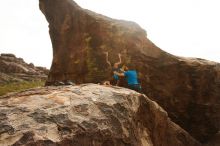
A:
[189,28]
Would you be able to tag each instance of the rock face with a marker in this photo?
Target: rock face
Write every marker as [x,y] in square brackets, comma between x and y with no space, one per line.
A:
[187,88]
[14,69]
[87,115]
[80,38]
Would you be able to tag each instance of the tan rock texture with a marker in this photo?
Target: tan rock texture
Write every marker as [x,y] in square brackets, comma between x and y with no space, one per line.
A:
[13,69]
[86,115]
[187,88]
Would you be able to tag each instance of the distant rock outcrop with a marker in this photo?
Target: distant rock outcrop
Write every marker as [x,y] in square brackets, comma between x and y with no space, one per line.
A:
[87,115]
[188,89]
[13,69]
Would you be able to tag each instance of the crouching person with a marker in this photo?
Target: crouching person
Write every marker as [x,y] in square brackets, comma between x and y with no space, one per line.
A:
[131,78]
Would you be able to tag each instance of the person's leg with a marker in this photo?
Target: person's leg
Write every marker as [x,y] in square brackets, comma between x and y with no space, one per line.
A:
[138,88]
[135,87]
[131,87]
[118,81]
[116,78]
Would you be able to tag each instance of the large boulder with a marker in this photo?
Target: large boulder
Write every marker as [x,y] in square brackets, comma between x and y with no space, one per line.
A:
[187,88]
[87,115]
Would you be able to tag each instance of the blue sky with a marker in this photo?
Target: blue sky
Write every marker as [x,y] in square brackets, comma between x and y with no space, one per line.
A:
[187,28]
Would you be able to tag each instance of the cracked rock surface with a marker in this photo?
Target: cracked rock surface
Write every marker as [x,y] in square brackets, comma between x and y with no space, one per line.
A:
[86,115]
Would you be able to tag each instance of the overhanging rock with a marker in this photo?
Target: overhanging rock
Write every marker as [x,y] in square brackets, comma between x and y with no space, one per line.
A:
[188,89]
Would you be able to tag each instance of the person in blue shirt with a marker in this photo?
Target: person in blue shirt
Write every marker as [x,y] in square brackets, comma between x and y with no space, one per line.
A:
[131,78]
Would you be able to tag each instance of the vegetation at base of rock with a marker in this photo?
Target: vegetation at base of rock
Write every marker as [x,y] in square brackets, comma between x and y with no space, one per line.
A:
[20,86]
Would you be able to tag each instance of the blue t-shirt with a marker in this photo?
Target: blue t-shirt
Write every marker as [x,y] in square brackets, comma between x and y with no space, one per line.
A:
[131,77]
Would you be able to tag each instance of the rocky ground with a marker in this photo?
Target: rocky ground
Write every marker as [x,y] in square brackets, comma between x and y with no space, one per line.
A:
[87,115]
[13,69]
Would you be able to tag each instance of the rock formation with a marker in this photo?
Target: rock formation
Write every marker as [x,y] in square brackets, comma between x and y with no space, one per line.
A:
[87,115]
[13,69]
[187,88]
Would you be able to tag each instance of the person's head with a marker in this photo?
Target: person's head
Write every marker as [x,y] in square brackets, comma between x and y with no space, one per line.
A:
[115,65]
[124,68]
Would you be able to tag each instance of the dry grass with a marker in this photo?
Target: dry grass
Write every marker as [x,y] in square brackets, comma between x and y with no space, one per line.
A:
[19,86]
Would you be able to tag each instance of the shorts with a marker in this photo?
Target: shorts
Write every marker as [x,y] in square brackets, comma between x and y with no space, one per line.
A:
[135,87]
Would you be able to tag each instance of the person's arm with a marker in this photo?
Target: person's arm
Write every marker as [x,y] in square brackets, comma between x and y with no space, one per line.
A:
[122,70]
[118,63]
[119,74]
[108,62]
